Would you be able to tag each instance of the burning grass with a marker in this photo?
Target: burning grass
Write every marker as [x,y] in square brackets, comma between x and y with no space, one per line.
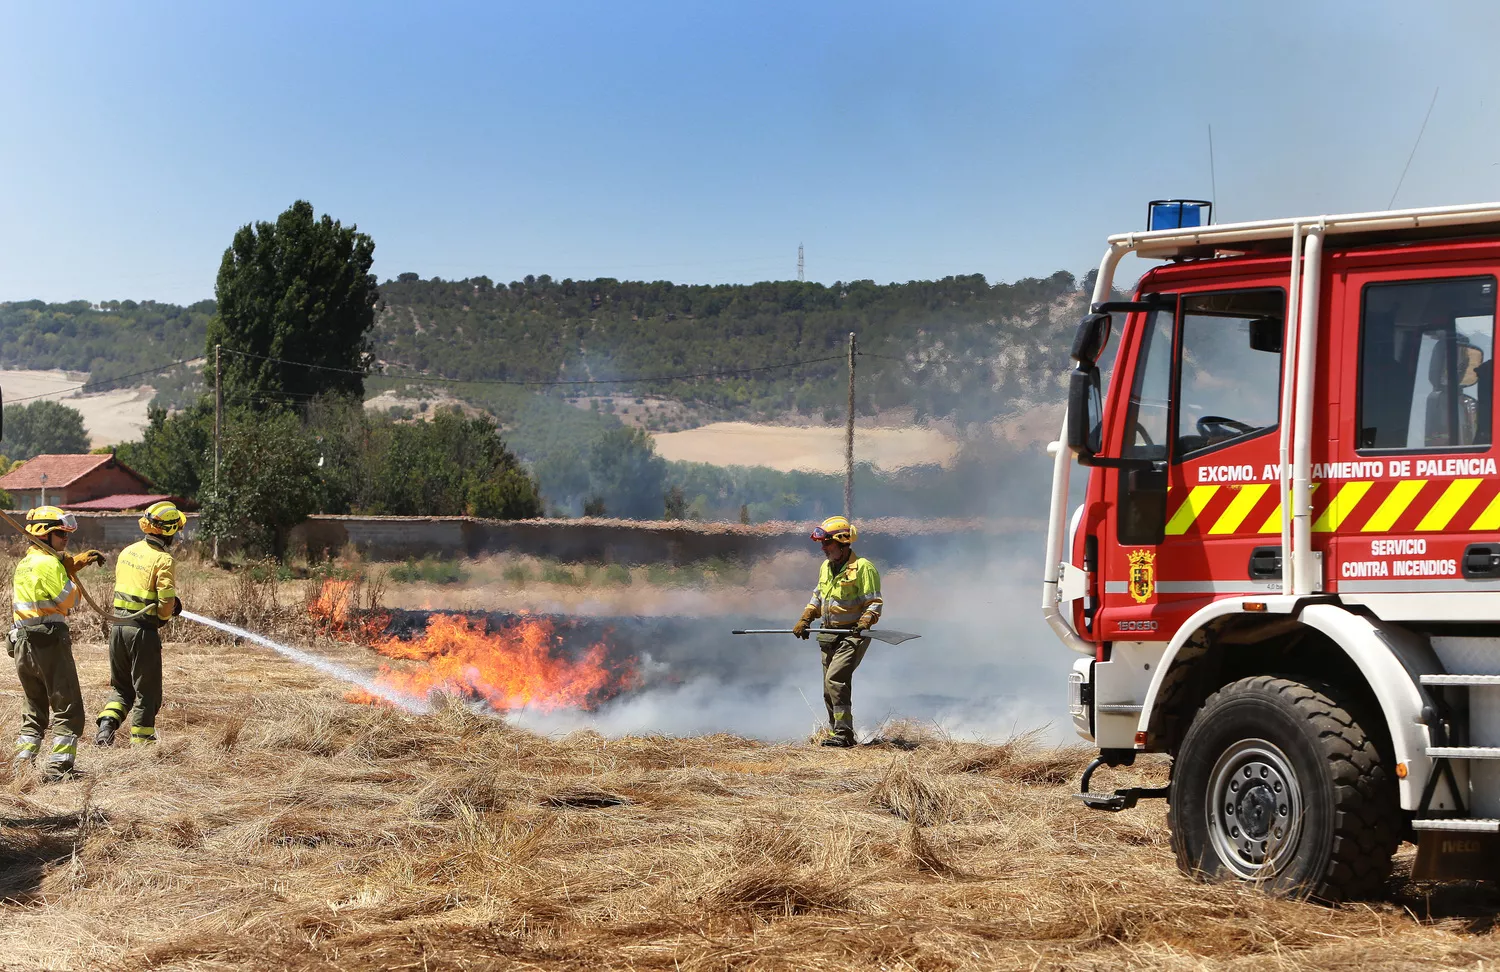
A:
[278,826]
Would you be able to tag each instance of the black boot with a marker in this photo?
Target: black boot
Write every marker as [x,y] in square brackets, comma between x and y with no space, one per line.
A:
[106,736]
[840,742]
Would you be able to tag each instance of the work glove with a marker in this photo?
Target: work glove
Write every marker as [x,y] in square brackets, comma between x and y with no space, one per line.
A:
[89,557]
[176,606]
[866,621]
[800,629]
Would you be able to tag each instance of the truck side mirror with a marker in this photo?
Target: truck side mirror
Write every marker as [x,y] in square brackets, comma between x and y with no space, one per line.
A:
[1085,413]
[1090,338]
[1266,334]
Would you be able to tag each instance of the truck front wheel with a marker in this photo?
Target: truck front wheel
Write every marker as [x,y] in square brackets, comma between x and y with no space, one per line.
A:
[1277,783]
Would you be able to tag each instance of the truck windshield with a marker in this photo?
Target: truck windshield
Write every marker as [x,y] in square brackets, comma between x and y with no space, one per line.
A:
[1230,389]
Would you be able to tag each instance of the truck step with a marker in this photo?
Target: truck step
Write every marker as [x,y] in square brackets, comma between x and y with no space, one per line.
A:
[1460,679]
[1473,825]
[1464,752]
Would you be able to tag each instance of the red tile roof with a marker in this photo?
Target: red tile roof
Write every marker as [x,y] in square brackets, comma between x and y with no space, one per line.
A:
[119,501]
[61,471]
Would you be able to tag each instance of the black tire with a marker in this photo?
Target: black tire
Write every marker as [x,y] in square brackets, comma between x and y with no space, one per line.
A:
[1293,765]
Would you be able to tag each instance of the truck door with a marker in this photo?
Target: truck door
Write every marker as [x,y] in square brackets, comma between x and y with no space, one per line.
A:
[1204,403]
[1416,454]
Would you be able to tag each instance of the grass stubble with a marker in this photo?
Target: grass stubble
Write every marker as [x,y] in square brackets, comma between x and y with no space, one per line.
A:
[277,826]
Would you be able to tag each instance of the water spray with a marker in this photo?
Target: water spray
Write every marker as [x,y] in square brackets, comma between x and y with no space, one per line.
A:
[407,703]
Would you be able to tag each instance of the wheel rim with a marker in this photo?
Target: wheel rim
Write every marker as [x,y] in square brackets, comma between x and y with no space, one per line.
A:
[1254,808]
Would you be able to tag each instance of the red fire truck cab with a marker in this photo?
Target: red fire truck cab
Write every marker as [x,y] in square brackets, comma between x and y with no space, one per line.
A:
[1285,571]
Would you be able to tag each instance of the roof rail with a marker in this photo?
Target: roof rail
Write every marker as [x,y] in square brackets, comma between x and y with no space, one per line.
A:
[1166,243]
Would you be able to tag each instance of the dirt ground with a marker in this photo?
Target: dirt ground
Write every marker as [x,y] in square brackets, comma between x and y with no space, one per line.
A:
[278,826]
[109,417]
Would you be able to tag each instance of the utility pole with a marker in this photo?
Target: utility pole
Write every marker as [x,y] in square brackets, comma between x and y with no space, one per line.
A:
[849,440]
[218,429]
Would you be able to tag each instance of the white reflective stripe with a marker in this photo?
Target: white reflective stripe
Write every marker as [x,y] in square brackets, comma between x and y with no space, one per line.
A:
[55,602]
[1245,586]
[1454,584]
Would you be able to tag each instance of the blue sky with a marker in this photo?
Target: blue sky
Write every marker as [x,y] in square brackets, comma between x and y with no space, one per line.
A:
[701,142]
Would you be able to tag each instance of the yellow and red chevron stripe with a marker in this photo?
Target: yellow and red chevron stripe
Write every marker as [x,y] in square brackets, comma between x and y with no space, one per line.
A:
[1349,507]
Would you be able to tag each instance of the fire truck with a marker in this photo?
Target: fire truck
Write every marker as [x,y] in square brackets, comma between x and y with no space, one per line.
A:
[1284,571]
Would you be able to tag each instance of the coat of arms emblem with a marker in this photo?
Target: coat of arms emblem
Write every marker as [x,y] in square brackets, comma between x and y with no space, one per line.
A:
[1142,575]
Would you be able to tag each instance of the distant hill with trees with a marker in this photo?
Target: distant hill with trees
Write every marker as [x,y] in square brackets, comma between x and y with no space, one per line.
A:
[959,347]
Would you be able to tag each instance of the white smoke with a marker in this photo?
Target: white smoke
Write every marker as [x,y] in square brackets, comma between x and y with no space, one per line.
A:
[985,668]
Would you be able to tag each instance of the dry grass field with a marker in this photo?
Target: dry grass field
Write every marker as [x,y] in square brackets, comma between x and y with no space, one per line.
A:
[278,826]
[810,448]
[109,417]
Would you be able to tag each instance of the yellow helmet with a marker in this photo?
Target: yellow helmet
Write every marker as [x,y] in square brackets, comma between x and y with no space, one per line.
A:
[162,520]
[49,519]
[835,528]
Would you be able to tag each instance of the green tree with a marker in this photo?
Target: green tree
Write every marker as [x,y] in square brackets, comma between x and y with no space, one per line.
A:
[627,474]
[269,481]
[449,466]
[298,289]
[176,451]
[43,428]
[505,494]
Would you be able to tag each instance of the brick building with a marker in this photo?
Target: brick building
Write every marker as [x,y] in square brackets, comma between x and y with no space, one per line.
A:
[91,482]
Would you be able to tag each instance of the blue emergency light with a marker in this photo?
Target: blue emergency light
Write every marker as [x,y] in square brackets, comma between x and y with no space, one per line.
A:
[1178,213]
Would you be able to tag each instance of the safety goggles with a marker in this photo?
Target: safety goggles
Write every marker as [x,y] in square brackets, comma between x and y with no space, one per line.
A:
[67,524]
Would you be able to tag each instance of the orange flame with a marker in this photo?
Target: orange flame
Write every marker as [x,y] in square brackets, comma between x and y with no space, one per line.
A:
[336,611]
[516,667]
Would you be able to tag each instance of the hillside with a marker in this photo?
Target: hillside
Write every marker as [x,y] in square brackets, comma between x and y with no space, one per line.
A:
[958,347]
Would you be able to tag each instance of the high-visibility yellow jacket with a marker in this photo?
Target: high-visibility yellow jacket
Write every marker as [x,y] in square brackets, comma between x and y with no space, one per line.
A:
[143,580]
[842,598]
[43,591]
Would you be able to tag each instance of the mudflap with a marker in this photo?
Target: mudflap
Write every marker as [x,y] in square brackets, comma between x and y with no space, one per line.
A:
[1456,856]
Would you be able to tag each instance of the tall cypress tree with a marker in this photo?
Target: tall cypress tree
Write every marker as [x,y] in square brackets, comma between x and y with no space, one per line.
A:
[299,289]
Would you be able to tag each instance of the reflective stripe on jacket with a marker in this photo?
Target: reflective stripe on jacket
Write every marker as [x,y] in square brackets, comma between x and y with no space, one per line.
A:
[842,598]
[144,580]
[43,590]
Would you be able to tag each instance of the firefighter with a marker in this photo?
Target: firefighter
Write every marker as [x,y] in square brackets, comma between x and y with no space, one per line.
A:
[42,645]
[848,597]
[145,599]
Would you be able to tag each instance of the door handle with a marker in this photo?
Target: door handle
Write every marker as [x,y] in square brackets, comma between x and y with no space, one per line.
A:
[1481,560]
[1265,563]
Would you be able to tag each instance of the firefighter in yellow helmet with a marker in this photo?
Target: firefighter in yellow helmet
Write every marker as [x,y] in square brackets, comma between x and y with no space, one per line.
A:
[145,599]
[847,596]
[41,644]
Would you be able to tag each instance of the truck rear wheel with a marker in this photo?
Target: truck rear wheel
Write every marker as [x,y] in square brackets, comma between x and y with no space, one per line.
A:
[1276,783]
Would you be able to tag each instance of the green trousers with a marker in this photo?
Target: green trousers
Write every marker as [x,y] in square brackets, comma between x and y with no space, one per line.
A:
[49,684]
[840,659]
[134,679]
